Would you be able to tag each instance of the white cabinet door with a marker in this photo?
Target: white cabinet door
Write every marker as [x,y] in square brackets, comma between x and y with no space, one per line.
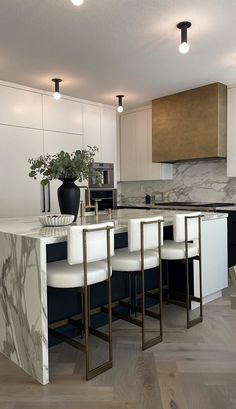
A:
[92,128]
[141,143]
[108,135]
[231,132]
[214,259]
[128,148]
[63,115]
[20,194]
[136,149]
[20,108]
[109,138]
[156,170]
[54,142]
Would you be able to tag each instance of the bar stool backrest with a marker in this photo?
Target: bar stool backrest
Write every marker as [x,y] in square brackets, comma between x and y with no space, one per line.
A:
[151,233]
[192,225]
[96,243]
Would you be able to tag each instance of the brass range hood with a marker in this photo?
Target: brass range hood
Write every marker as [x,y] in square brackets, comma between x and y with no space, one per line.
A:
[190,124]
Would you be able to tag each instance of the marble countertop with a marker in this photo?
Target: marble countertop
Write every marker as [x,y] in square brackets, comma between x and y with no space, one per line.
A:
[31,227]
[227,208]
[179,207]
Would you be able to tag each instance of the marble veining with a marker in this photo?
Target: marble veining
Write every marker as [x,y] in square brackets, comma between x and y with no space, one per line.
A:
[23,283]
[197,181]
[23,304]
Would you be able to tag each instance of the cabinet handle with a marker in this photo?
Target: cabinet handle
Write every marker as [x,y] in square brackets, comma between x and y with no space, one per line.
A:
[49,198]
[43,194]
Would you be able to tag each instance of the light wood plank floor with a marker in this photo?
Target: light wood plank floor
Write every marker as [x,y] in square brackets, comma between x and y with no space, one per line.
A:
[191,369]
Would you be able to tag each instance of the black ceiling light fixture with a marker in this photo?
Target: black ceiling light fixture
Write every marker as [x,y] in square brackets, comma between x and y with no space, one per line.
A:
[77,2]
[183,26]
[120,103]
[57,94]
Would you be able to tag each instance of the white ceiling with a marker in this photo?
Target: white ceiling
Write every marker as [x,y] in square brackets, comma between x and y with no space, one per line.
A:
[108,47]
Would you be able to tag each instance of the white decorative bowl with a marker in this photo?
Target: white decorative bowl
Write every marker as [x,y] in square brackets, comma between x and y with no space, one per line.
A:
[56,219]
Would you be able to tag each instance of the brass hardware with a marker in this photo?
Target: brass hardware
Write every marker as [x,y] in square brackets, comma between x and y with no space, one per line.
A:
[83,320]
[88,205]
[191,323]
[68,340]
[83,207]
[95,371]
[147,344]
[143,310]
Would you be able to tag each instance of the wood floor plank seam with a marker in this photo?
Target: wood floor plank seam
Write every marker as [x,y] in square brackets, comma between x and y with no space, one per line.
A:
[190,369]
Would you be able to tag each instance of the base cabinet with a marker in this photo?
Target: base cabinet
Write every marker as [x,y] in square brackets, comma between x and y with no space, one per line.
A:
[214,260]
[231,238]
[136,149]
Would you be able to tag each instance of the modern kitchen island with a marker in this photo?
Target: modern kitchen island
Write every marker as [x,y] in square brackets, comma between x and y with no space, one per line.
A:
[23,278]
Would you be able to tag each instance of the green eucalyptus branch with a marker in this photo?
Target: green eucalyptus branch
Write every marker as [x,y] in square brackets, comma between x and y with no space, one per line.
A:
[63,165]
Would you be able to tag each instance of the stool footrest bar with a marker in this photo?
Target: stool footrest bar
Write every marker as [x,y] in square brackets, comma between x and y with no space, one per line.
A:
[152,342]
[194,322]
[68,340]
[99,369]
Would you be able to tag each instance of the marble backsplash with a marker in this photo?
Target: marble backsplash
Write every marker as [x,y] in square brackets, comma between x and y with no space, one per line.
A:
[198,180]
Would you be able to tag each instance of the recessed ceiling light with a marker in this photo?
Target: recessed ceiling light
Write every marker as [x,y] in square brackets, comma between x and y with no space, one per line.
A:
[184,46]
[56,94]
[77,2]
[120,108]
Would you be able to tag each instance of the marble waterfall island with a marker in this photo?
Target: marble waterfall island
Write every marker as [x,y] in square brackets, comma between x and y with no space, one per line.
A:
[23,278]
[23,303]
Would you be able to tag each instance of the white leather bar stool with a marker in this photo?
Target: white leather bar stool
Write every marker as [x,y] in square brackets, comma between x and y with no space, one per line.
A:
[186,245]
[88,262]
[144,236]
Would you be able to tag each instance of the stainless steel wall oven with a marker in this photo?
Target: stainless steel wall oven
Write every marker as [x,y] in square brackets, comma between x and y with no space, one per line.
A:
[107,175]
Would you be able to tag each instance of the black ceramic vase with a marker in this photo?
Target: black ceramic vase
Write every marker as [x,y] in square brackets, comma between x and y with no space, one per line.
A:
[69,197]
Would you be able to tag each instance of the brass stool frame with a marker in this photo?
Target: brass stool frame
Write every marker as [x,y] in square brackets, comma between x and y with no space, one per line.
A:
[191,323]
[189,298]
[143,310]
[90,373]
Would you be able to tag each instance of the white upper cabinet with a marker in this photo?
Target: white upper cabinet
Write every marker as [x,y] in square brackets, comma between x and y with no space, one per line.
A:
[128,159]
[54,142]
[136,149]
[62,115]
[92,128]
[161,170]
[20,194]
[20,107]
[231,132]
[108,135]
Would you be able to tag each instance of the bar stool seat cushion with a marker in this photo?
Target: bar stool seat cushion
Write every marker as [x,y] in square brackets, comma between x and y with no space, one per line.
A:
[125,260]
[62,275]
[172,250]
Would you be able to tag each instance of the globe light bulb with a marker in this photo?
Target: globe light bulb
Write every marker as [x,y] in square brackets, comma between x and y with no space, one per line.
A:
[57,95]
[120,109]
[184,48]
[77,2]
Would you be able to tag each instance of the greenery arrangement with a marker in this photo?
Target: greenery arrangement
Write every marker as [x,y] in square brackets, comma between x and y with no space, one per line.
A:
[77,165]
